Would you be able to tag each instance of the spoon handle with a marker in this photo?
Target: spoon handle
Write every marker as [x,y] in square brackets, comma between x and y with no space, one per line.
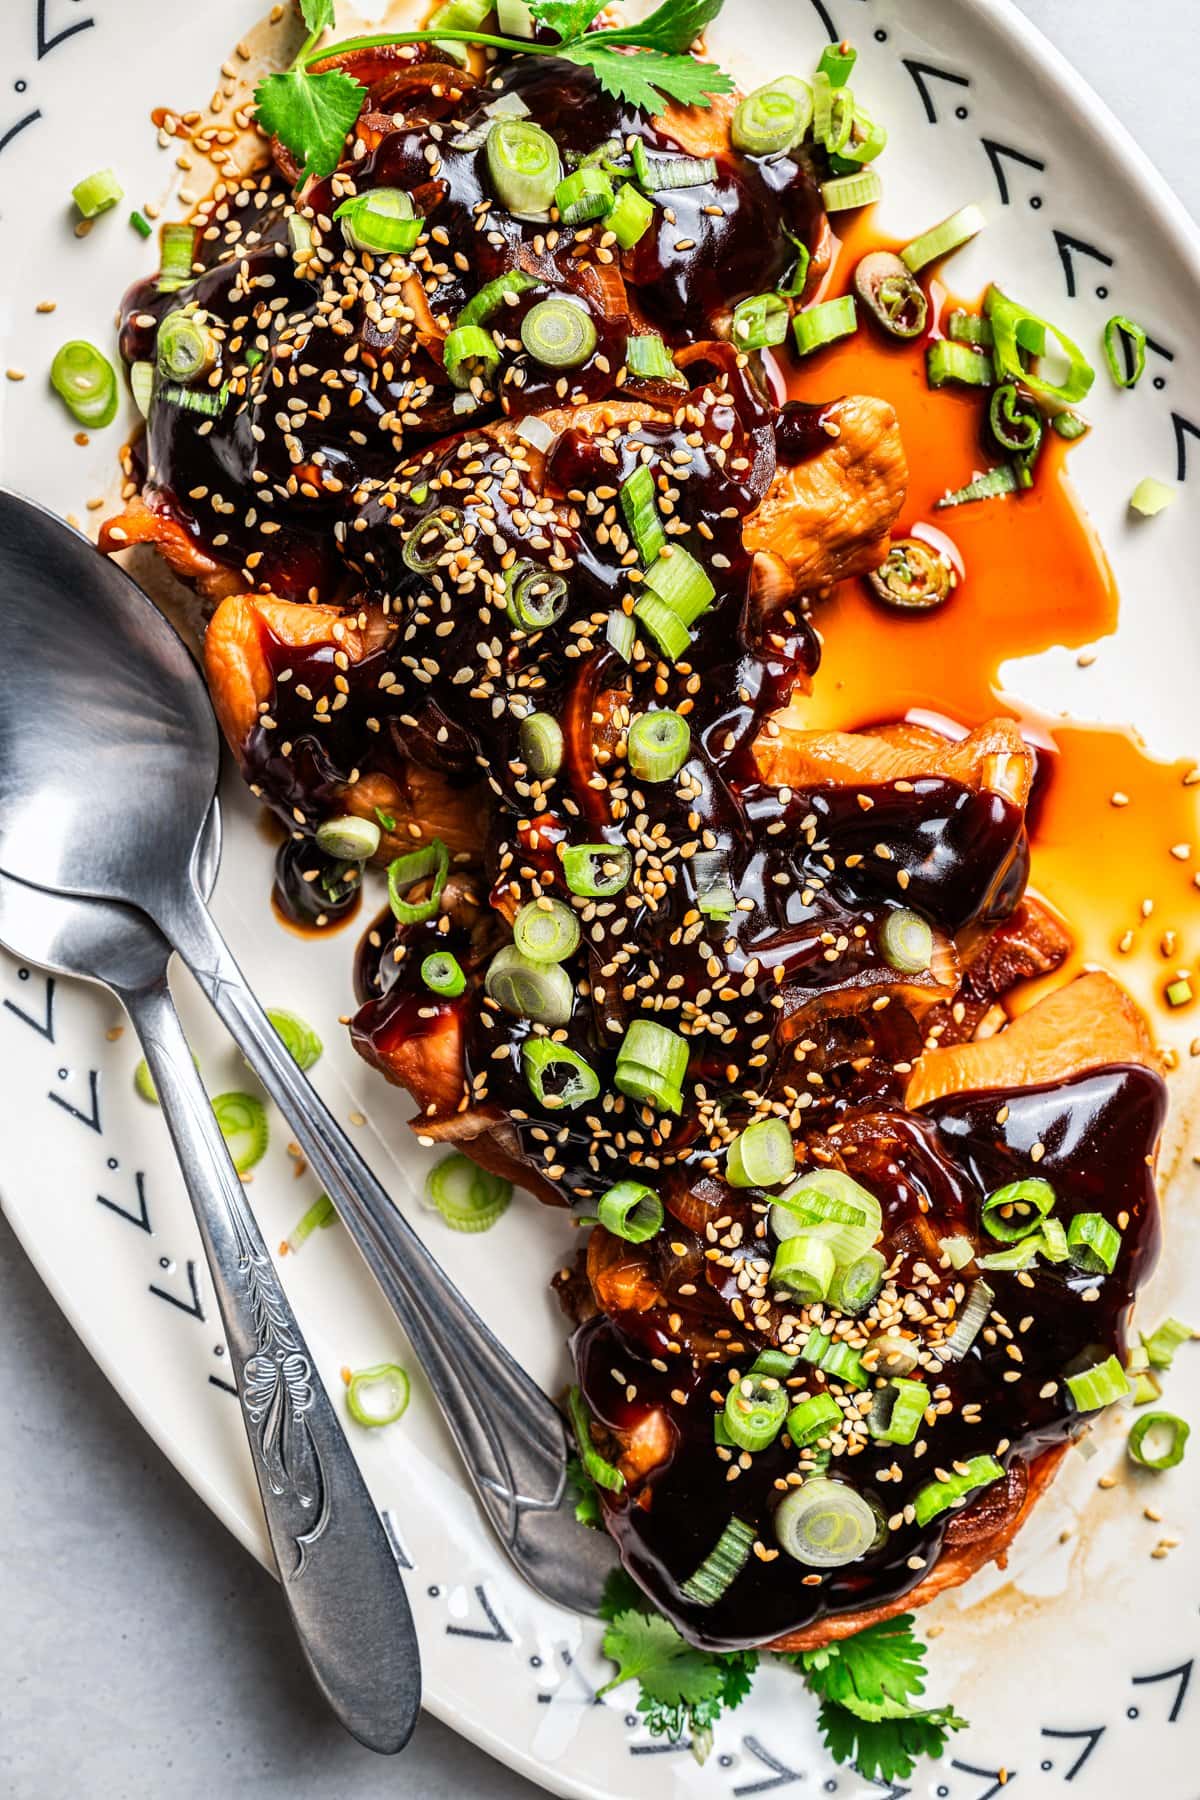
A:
[339,1574]
[511,1437]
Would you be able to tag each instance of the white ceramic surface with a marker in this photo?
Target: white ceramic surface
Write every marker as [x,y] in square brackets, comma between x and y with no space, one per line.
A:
[1075,1665]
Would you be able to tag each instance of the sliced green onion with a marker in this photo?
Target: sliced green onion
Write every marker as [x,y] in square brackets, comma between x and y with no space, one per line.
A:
[794,283]
[140,223]
[1125,351]
[621,632]
[814,1418]
[844,1364]
[300,237]
[969,328]
[659,743]
[96,193]
[906,942]
[319,1217]
[381,221]
[761,1156]
[585,195]
[837,63]
[1158,1440]
[913,576]
[950,235]
[984,487]
[1054,1246]
[938,1497]
[494,295]
[824,324]
[442,974]
[970,1323]
[714,890]
[1099,1386]
[1015,422]
[825,1524]
[755,1409]
[431,859]
[760,322]
[659,174]
[722,1566]
[947,361]
[1094,1245]
[187,347]
[805,1266]
[535,598]
[541,740]
[530,990]
[1017,1208]
[209,403]
[1149,498]
[647,358]
[665,627]
[299,1039]
[867,141]
[469,355]
[458,15]
[774,1362]
[557,1075]
[348,838]
[630,217]
[833,1204]
[845,192]
[243,1122]
[1016,329]
[178,251]
[602,1472]
[515,18]
[86,382]
[894,1354]
[1068,425]
[892,296]
[774,117]
[898,1412]
[957,1250]
[141,383]
[378,1396]
[425,544]
[681,583]
[631,1211]
[558,333]
[1162,1344]
[1147,1388]
[143,1082]
[856,1283]
[651,1065]
[546,931]
[640,507]
[467,1197]
[1014,1256]
[524,166]
[597,871]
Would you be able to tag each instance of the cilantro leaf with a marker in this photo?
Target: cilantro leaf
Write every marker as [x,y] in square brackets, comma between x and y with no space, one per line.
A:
[886,1750]
[310,115]
[648,79]
[317,14]
[674,27]
[570,18]
[880,1669]
[682,1689]
[587,1499]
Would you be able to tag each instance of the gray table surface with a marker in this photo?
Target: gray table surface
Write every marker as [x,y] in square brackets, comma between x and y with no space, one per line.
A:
[142,1652]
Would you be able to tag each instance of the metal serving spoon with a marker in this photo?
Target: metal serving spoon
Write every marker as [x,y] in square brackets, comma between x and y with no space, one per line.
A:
[109,755]
[339,1574]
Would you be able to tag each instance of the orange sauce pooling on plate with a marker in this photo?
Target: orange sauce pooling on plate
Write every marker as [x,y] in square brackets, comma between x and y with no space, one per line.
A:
[1116,834]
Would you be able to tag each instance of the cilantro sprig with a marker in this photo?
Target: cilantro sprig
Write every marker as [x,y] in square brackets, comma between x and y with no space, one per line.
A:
[647,65]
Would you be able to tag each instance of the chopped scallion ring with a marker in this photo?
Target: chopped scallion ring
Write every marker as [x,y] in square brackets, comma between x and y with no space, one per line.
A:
[524,166]
[442,974]
[1015,422]
[1125,351]
[811,1419]
[319,1217]
[774,117]
[433,859]
[722,1566]
[856,1283]
[755,1409]
[631,1211]
[906,942]
[1093,1244]
[541,740]
[584,196]
[659,174]
[971,1321]
[546,931]
[835,1207]
[621,632]
[535,597]
[681,583]
[597,871]
[494,296]
[843,1363]
[470,354]
[762,1155]
[602,1472]
[761,322]
[665,627]
[659,743]
[941,239]
[347,838]
[467,1197]
[140,223]
[381,221]
[946,361]
[1019,335]
[826,1524]
[557,1075]
[1162,1344]
[824,324]
[1054,1246]
[1149,498]
[558,333]
[178,248]
[96,193]
[969,328]
[458,15]
[631,216]
[86,382]
[540,991]
[378,1396]
[898,1412]
[847,192]
[647,358]
[1158,1440]
[651,1065]
[893,297]
[805,1266]
[187,346]
[243,1122]
[640,507]
[141,385]
[299,1039]
[938,1497]
[837,63]
[1012,1211]
[774,1362]
[1098,1386]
